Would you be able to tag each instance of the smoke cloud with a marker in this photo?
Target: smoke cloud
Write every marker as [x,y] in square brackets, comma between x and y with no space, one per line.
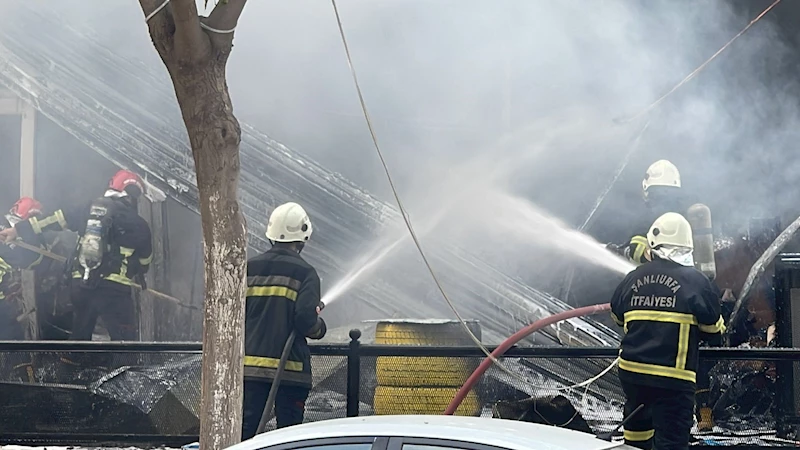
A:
[517,96]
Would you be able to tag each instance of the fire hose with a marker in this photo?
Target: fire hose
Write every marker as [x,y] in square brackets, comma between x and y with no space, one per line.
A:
[512,340]
[269,407]
[63,259]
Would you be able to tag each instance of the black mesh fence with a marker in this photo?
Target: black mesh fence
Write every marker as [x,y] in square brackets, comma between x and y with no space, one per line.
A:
[99,394]
[64,393]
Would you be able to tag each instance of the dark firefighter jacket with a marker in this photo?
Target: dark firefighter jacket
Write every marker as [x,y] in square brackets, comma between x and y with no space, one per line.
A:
[283,292]
[661,202]
[129,250]
[664,307]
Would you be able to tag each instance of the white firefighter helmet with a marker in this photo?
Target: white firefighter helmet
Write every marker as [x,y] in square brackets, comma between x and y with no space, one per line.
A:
[670,237]
[289,223]
[661,173]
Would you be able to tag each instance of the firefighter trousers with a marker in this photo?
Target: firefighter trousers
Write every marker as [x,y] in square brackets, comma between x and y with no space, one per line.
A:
[665,422]
[290,405]
[113,303]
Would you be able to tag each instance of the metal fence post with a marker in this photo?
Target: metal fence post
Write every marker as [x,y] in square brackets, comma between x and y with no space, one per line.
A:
[353,373]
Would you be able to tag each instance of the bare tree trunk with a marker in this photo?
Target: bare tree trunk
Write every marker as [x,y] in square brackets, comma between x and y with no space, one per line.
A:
[196,62]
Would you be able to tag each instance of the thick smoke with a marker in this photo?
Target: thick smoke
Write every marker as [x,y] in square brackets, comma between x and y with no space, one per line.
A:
[513,96]
[447,81]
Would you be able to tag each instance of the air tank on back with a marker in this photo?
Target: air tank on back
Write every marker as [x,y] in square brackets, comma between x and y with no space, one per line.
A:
[699,216]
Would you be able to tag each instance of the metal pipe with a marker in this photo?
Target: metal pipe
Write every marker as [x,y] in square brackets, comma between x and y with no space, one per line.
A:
[761,265]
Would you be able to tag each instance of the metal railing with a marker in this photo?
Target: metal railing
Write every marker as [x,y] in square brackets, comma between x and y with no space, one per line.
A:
[352,355]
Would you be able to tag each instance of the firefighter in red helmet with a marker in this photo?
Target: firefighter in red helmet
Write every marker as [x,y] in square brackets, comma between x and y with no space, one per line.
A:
[12,259]
[114,253]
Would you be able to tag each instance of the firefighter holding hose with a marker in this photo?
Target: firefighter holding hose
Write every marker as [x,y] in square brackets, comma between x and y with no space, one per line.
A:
[115,249]
[283,300]
[665,307]
[661,190]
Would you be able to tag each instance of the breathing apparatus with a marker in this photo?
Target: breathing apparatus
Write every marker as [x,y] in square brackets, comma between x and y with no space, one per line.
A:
[699,217]
[95,240]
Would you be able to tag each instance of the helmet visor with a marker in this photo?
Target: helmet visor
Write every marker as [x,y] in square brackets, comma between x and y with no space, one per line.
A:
[13,219]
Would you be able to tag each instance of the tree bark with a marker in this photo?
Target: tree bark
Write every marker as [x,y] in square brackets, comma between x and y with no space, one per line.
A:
[196,60]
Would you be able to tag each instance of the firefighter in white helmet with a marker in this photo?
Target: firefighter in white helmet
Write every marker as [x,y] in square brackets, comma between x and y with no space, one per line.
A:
[283,294]
[660,189]
[665,307]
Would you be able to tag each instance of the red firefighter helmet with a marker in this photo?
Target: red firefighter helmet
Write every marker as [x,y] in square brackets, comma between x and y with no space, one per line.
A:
[26,207]
[124,179]
[23,209]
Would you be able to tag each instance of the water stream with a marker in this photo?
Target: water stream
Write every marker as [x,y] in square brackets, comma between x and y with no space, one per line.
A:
[501,214]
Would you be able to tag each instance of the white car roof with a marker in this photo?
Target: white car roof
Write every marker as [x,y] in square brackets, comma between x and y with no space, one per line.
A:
[510,434]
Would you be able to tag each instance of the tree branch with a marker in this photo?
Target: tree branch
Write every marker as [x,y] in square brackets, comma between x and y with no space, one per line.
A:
[191,44]
[160,26]
[225,16]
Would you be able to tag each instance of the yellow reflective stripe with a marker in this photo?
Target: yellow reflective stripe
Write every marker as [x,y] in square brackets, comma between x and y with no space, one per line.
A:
[39,225]
[660,316]
[272,363]
[113,277]
[62,221]
[718,327]
[35,225]
[126,251]
[659,371]
[146,261]
[272,291]
[683,346]
[640,243]
[121,279]
[616,319]
[639,436]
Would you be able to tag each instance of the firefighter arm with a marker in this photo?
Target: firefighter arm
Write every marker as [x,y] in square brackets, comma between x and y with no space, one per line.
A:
[637,249]
[617,313]
[706,308]
[18,258]
[64,219]
[143,254]
[306,320]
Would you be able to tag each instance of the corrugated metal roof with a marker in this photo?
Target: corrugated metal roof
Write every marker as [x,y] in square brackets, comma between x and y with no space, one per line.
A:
[93,93]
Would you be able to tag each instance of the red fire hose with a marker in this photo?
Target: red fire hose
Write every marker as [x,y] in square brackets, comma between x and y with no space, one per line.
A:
[513,339]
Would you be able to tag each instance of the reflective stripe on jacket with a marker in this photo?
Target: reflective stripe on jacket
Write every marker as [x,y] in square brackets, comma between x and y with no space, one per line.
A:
[664,307]
[129,252]
[283,292]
